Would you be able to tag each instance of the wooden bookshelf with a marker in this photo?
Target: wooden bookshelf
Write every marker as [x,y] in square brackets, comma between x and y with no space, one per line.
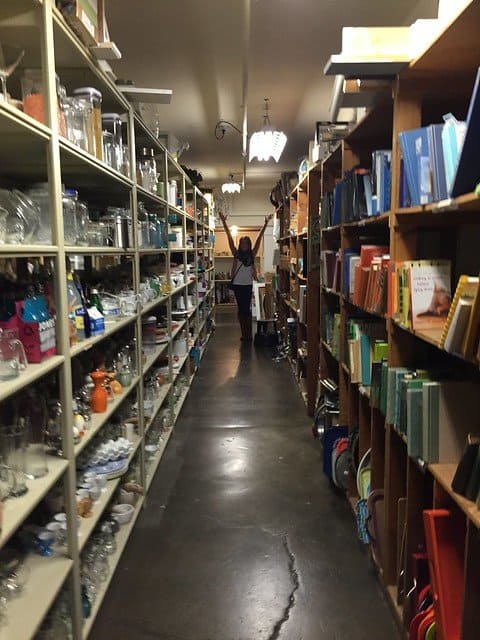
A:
[442,78]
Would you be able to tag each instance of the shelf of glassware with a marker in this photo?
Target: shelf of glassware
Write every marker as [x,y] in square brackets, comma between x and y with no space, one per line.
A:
[27,377]
[111,327]
[99,419]
[153,356]
[158,456]
[16,510]
[121,540]
[87,525]
[26,612]
[157,405]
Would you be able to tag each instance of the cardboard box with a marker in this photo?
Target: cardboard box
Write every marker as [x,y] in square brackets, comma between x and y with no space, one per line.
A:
[85,18]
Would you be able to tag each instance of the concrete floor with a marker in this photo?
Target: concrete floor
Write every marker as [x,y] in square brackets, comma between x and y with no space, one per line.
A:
[243,538]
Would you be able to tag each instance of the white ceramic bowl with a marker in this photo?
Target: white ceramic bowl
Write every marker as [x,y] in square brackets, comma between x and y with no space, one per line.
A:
[123,513]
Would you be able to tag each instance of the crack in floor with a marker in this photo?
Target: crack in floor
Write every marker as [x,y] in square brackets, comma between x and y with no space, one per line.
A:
[292,569]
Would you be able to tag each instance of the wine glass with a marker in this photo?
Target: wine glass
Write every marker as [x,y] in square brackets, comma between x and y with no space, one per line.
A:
[10,57]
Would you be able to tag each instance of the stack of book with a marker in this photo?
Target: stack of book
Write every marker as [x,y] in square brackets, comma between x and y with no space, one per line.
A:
[419,294]
[440,161]
[434,414]
[367,343]
[366,277]
[461,331]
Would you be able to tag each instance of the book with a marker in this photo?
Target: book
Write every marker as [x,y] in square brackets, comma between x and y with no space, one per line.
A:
[467,287]
[458,327]
[472,334]
[453,135]
[466,465]
[467,174]
[394,375]
[450,413]
[437,162]
[429,283]
[414,410]
[414,148]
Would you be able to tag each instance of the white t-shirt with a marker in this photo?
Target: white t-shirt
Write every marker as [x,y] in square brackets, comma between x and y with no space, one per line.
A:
[243,274]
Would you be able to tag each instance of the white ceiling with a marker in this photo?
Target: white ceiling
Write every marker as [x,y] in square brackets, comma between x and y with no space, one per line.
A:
[195,47]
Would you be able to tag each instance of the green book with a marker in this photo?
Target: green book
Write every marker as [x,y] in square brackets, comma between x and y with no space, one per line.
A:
[414,402]
[395,374]
[383,389]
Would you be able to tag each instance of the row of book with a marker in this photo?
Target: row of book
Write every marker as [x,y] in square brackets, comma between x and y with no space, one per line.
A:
[362,193]
[365,277]
[440,161]
[435,414]
[367,343]
[330,331]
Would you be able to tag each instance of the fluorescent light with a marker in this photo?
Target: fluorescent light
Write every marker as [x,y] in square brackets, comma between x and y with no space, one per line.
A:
[234,230]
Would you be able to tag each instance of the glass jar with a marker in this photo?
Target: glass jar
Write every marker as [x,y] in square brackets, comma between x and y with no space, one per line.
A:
[147,169]
[85,107]
[83,222]
[69,206]
[143,226]
[33,96]
[94,97]
[75,122]
[113,144]
[120,222]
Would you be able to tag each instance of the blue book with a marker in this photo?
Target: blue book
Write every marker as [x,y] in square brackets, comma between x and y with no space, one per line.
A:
[414,145]
[437,162]
[337,204]
[346,253]
[386,182]
[467,175]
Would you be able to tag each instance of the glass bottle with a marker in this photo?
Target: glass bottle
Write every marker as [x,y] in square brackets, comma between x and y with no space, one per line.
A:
[112,124]
[94,97]
[75,319]
[95,300]
[69,206]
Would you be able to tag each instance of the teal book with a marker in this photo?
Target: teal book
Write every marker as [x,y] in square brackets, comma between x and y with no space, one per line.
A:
[414,403]
[383,388]
[399,377]
[365,352]
[393,376]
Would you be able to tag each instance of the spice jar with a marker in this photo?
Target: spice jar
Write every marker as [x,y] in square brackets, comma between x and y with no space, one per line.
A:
[94,97]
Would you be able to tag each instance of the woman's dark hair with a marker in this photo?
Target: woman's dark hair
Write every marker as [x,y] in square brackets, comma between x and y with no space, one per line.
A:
[245,255]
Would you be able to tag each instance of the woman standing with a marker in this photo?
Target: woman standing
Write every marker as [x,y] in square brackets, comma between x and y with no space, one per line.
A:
[243,273]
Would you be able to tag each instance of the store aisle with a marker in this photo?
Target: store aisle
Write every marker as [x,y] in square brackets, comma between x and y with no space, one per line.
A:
[244,538]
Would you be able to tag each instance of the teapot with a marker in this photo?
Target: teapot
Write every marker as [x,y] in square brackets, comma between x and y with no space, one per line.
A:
[12,355]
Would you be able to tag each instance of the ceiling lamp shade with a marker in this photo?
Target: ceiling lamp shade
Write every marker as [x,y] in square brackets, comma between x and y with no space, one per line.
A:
[267,143]
[231,187]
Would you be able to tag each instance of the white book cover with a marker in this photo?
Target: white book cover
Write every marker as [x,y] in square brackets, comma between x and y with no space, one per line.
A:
[430,293]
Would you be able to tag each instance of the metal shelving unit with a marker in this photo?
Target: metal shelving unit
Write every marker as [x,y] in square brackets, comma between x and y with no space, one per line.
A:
[32,151]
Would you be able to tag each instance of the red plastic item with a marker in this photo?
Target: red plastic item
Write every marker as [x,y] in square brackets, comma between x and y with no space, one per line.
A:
[425,624]
[445,538]
[413,632]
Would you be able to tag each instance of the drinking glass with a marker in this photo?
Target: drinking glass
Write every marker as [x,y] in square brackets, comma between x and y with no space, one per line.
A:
[13,452]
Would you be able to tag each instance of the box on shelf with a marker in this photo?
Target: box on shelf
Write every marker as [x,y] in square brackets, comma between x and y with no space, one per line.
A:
[85,18]
[38,338]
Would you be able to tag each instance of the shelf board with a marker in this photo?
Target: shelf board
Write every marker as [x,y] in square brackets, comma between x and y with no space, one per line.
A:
[99,419]
[443,474]
[336,228]
[158,457]
[455,211]
[110,329]
[181,363]
[179,404]
[27,250]
[152,251]
[358,68]
[178,328]
[362,309]
[381,220]
[158,405]
[455,50]
[87,525]
[101,251]
[32,373]
[328,348]
[154,303]
[90,173]
[121,540]
[25,613]
[17,509]
[152,198]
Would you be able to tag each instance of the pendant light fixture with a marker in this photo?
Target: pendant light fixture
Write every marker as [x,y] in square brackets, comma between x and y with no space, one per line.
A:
[231,187]
[267,143]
